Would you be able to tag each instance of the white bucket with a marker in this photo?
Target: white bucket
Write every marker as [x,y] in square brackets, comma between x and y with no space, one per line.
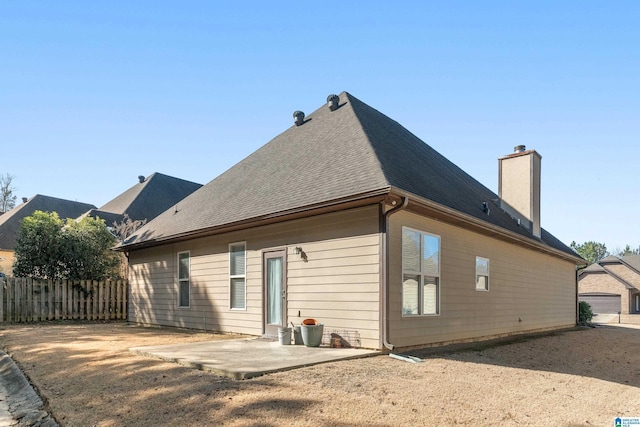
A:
[284,336]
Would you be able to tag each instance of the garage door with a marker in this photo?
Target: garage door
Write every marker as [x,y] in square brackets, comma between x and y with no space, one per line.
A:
[602,303]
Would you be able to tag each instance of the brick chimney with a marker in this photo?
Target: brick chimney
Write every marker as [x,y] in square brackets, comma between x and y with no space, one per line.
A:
[519,186]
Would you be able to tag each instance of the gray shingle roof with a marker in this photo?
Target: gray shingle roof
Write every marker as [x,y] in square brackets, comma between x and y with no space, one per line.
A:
[10,221]
[610,259]
[632,261]
[146,200]
[593,268]
[351,151]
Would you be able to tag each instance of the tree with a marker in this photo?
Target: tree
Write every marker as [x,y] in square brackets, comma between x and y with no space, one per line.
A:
[122,230]
[85,250]
[126,227]
[628,251]
[38,246]
[50,248]
[590,251]
[7,198]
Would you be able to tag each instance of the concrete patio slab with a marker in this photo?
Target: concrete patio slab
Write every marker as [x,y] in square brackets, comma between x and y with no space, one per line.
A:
[247,358]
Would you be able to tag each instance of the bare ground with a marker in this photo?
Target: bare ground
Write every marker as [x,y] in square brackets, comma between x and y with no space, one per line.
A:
[87,376]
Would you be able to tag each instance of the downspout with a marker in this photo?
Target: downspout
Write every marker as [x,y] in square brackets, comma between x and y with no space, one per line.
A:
[577,303]
[579,268]
[385,266]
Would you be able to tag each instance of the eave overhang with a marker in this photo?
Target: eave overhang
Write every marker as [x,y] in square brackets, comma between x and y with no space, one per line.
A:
[388,195]
[370,198]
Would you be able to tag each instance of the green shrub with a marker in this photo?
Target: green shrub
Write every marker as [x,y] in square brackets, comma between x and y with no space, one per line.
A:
[584,313]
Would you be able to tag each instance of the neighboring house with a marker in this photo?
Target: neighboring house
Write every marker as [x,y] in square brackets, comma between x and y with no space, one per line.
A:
[10,221]
[612,285]
[350,219]
[146,199]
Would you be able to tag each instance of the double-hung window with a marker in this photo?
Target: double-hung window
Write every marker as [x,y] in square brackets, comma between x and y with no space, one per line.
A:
[237,276]
[420,273]
[183,279]
[482,274]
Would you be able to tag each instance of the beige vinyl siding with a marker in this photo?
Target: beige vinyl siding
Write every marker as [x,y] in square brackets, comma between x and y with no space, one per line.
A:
[529,290]
[338,285]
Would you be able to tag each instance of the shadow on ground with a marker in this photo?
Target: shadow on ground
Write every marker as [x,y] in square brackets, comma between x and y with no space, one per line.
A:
[617,358]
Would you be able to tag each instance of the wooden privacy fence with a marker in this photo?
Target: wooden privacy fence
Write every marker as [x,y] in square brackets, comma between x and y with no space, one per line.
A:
[29,300]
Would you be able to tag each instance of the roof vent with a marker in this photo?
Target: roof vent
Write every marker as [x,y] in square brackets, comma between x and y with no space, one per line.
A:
[298,118]
[141,178]
[519,148]
[332,101]
[25,200]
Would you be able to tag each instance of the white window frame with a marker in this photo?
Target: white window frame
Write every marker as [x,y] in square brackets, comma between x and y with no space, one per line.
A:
[242,276]
[422,275]
[182,280]
[488,275]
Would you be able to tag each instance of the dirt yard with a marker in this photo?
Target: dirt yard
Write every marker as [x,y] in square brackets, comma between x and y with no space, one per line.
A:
[87,376]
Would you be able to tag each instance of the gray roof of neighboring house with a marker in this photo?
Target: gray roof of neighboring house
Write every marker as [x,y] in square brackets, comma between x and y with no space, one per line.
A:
[10,221]
[146,199]
[594,268]
[632,261]
[353,150]
[611,259]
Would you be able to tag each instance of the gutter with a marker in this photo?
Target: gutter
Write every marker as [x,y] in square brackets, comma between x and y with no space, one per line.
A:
[384,225]
[369,198]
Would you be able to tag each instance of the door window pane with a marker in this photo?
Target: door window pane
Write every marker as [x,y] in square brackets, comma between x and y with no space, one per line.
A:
[274,291]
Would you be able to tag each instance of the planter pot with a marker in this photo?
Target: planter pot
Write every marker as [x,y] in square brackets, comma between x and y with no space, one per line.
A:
[312,334]
[297,336]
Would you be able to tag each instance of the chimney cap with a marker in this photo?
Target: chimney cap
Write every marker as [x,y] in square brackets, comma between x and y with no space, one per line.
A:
[519,148]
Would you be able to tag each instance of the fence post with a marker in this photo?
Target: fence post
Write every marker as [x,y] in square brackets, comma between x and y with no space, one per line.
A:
[118,299]
[94,302]
[50,309]
[74,300]
[22,291]
[81,299]
[125,299]
[10,286]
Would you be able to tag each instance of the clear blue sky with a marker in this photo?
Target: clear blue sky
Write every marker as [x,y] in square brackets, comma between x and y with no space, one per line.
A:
[93,94]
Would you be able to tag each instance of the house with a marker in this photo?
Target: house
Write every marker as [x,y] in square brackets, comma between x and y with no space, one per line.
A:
[10,221]
[612,285]
[348,218]
[149,197]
